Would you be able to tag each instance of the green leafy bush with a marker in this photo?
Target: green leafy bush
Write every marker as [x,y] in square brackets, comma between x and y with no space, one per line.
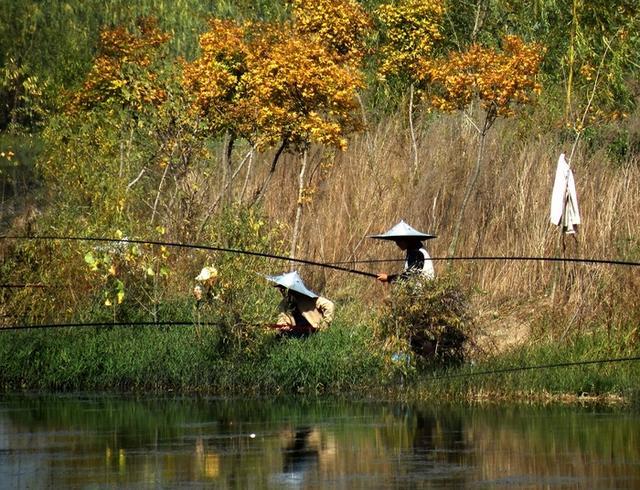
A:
[427,318]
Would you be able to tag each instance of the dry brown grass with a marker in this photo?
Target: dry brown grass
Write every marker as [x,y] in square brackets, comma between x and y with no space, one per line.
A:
[370,187]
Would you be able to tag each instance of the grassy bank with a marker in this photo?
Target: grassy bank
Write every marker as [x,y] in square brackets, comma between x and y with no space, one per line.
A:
[188,359]
[345,360]
[542,373]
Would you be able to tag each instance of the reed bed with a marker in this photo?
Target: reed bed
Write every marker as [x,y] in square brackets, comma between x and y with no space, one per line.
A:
[371,186]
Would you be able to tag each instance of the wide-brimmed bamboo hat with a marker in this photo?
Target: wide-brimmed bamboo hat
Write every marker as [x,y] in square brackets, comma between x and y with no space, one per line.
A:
[292,281]
[208,272]
[403,230]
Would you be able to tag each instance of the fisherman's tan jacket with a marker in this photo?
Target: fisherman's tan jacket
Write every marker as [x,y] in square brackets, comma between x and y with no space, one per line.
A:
[317,311]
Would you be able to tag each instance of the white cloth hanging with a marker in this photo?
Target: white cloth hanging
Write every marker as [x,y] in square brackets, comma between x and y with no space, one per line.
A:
[564,200]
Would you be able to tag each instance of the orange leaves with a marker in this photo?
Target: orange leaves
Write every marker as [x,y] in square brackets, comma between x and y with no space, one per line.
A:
[340,25]
[499,79]
[296,91]
[412,27]
[124,68]
[213,78]
[294,82]
[120,44]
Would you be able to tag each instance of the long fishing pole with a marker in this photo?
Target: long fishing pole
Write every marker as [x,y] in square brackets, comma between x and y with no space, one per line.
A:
[503,257]
[4,328]
[22,286]
[534,367]
[193,246]
[330,265]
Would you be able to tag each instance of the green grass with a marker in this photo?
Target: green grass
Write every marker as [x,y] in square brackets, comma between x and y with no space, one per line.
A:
[598,380]
[184,359]
[344,359]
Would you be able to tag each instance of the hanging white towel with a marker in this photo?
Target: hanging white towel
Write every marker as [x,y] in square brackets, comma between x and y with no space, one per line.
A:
[564,200]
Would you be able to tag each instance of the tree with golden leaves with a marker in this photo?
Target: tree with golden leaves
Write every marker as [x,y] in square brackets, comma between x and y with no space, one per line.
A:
[296,94]
[499,80]
[133,86]
[342,26]
[125,71]
[213,77]
[213,80]
[283,85]
[410,31]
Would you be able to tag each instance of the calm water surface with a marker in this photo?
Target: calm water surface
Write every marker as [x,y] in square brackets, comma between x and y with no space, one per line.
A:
[113,442]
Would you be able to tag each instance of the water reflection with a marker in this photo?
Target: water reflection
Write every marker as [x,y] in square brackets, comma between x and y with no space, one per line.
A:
[301,456]
[89,442]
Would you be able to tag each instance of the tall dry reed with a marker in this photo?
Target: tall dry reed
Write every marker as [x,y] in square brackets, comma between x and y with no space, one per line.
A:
[371,186]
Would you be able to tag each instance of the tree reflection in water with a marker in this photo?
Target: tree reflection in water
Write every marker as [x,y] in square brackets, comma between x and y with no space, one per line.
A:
[110,442]
[300,455]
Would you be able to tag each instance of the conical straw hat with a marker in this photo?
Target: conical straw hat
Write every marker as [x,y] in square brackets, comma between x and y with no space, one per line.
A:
[207,273]
[292,281]
[403,230]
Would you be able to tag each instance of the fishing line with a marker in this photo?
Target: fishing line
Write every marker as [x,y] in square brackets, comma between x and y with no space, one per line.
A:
[4,328]
[503,257]
[23,286]
[534,367]
[194,246]
[330,265]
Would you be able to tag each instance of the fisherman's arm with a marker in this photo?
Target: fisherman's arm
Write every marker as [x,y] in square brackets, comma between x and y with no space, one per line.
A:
[285,318]
[387,277]
[326,309]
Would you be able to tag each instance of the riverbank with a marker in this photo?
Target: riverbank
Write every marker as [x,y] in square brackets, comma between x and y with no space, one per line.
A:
[345,360]
[127,139]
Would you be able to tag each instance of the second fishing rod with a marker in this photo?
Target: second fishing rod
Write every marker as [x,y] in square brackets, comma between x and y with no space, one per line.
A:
[189,246]
[339,266]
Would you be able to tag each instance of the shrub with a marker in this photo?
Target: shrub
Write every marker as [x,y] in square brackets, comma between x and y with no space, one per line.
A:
[428,318]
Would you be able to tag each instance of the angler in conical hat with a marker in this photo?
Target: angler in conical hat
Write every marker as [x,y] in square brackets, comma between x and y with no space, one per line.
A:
[301,310]
[417,259]
[205,281]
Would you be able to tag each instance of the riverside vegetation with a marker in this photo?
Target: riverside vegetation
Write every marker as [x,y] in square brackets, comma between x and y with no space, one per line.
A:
[297,128]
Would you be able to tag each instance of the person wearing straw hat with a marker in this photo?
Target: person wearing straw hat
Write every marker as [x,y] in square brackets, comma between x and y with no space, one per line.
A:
[205,281]
[417,261]
[301,310]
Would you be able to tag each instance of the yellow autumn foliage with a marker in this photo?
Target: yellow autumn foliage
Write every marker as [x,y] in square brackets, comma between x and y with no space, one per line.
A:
[295,91]
[342,26]
[214,76]
[123,70]
[499,79]
[290,83]
[411,29]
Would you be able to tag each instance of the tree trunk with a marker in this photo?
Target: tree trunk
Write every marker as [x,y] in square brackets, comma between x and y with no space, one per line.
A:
[263,188]
[299,206]
[227,193]
[246,177]
[489,119]
[414,144]
[157,200]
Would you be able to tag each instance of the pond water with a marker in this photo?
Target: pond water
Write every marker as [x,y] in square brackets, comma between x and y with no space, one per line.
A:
[146,442]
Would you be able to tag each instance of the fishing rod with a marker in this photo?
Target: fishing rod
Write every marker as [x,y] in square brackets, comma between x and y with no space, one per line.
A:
[4,328]
[23,286]
[189,245]
[534,367]
[330,265]
[503,257]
